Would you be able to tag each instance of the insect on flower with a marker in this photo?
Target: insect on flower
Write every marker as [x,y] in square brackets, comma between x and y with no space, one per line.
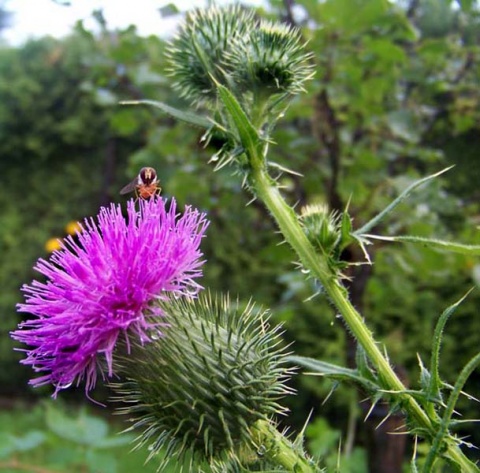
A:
[145,185]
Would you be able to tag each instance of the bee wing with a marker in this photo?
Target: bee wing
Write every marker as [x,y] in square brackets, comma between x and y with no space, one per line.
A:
[130,187]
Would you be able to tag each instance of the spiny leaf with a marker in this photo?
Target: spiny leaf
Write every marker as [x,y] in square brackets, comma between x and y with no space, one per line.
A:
[425,376]
[247,134]
[188,117]
[332,371]
[435,383]
[471,250]
[374,221]
[363,366]
[445,424]
[346,230]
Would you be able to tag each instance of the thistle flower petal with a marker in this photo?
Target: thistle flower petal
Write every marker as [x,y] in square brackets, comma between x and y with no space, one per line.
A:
[100,285]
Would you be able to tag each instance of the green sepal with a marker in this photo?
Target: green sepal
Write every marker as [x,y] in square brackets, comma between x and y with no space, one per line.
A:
[198,390]
[346,230]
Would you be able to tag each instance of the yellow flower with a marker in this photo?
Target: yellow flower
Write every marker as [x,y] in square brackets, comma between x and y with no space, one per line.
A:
[72,227]
[52,244]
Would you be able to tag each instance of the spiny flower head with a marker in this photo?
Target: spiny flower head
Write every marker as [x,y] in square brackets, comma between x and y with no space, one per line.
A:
[100,286]
[230,46]
[272,61]
[199,391]
[196,55]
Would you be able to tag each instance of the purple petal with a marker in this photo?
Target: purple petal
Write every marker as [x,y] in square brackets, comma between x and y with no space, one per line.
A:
[99,287]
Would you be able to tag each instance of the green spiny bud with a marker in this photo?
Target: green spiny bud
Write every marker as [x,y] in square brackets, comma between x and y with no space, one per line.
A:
[270,60]
[197,54]
[198,390]
[321,227]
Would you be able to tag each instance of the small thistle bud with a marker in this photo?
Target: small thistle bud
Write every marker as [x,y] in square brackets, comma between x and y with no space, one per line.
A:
[271,60]
[199,390]
[197,54]
[321,227]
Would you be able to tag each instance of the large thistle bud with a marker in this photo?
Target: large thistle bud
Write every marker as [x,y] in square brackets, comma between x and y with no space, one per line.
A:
[209,386]
[197,53]
[232,47]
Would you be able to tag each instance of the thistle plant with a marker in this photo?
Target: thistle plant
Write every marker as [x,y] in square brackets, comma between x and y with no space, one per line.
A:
[200,378]
[260,72]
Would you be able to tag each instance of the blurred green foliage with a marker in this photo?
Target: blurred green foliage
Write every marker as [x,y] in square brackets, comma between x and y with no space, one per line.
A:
[323,441]
[53,437]
[395,97]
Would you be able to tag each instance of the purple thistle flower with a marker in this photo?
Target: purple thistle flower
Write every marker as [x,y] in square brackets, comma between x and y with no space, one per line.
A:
[99,287]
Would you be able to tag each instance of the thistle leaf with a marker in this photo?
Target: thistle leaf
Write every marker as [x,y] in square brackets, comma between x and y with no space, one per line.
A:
[188,117]
[435,382]
[445,424]
[246,132]
[375,220]
[329,370]
[363,366]
[471,250]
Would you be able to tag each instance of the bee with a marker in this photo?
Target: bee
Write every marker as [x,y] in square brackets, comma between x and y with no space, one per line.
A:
[145,185]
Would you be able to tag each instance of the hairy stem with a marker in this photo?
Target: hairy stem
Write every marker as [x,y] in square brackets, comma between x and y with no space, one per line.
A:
[280,450]
[266,190]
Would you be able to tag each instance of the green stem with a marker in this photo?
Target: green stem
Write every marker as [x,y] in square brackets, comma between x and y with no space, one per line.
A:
[266,190]
[279,450]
